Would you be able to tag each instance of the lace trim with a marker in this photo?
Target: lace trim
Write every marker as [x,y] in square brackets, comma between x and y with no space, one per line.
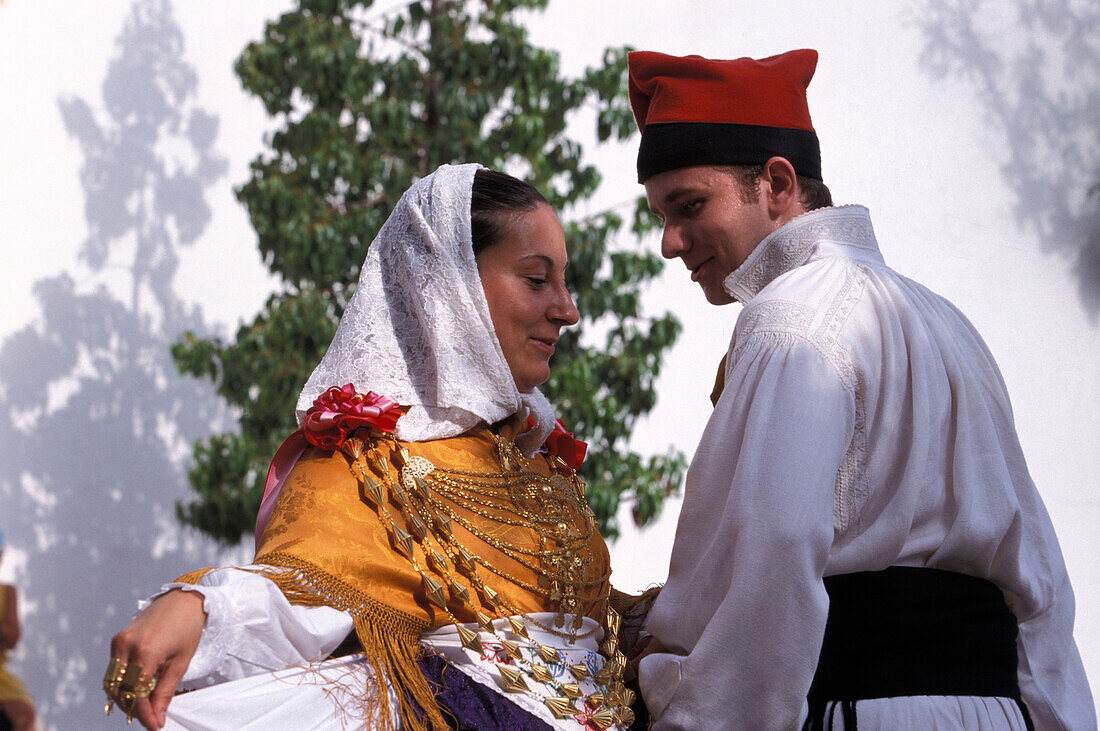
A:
[776,313]
[852,485]
[418,327]
[791,245]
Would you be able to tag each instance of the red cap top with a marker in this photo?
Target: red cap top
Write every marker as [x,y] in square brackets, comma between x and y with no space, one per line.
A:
[764,93]
[770,92]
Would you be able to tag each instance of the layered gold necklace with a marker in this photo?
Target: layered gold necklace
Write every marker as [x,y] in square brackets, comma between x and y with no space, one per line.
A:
[429,501]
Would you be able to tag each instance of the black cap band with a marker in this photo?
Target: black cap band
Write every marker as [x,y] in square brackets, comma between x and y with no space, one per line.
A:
[671,145]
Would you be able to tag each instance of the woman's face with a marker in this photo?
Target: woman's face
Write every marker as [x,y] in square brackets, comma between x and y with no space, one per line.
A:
[523,276]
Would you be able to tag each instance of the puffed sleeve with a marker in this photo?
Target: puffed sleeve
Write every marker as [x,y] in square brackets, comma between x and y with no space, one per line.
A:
[743,613]
[251,628]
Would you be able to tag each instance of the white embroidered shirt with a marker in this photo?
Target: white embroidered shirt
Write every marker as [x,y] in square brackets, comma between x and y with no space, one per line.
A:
[864,424]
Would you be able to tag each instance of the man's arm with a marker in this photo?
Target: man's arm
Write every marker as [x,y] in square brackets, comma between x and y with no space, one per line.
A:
[743,613]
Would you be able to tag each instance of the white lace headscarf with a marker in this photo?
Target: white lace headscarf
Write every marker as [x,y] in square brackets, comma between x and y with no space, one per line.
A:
[418,328]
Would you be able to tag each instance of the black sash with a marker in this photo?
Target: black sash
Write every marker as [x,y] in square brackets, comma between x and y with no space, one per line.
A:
[910,631]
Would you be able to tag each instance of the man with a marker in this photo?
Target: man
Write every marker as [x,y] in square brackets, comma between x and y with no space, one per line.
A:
[859,538]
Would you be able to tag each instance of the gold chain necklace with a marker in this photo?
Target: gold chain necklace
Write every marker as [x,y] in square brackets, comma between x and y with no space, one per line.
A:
[516,496]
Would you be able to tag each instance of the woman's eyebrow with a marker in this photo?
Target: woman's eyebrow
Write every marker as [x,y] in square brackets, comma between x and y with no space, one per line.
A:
[541,257]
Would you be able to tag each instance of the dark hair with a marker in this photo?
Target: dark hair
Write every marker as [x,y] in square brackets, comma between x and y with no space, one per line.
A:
[814,194]
[495,195]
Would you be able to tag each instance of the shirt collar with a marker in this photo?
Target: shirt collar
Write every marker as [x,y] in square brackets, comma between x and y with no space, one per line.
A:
[844,229]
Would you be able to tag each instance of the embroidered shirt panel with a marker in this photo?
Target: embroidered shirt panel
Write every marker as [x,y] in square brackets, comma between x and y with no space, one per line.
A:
[781,299]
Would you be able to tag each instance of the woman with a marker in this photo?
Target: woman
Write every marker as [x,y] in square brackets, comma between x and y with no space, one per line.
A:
[15,703]
[426,514]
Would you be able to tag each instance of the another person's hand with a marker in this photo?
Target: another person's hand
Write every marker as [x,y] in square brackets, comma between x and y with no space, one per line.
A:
[161,640]
[9,623]
[646,645]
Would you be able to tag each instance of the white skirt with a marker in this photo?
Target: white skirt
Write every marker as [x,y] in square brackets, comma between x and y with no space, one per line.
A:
[329,694]
[325,695]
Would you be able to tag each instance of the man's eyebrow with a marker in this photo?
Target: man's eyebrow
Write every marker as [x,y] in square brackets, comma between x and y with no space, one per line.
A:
[672,196]
[677,193]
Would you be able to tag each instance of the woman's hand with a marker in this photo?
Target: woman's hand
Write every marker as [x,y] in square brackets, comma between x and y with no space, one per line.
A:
[161,639]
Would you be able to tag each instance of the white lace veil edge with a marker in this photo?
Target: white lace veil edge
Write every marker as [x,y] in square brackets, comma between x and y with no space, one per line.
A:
[418,329]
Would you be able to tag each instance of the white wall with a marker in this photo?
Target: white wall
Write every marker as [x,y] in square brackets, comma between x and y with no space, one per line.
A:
[974,178]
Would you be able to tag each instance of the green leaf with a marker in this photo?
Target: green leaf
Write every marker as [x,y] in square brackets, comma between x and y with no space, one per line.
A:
[365,103]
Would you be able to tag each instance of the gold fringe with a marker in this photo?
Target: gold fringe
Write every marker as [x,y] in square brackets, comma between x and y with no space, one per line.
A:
[192,577]
[389,638]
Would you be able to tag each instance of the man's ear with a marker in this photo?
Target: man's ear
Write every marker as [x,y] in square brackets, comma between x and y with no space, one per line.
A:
[779,186]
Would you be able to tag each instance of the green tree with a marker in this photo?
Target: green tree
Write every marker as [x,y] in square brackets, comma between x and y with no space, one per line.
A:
[366,102]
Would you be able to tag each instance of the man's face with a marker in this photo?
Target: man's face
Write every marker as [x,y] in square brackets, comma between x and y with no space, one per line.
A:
[708,223]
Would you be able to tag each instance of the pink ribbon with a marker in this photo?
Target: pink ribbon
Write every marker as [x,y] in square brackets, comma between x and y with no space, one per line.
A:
[286,456]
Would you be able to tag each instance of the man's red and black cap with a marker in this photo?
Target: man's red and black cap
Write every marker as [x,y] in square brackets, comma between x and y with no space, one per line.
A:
[699,111]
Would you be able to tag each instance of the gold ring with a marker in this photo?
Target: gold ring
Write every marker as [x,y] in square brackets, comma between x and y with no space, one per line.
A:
[113,676]
[136,684]
[127,706]
[111,680]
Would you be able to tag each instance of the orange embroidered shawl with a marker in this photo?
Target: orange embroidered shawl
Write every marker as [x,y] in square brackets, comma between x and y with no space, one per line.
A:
[326,545]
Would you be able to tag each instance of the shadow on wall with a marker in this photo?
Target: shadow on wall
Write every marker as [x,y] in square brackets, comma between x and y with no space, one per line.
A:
[1035,65]
[95,421]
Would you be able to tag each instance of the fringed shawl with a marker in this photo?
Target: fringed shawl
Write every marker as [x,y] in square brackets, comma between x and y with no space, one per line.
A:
[326,544]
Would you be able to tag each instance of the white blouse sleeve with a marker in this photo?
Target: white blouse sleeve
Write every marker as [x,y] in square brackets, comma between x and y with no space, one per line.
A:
[752,545]
[251,628]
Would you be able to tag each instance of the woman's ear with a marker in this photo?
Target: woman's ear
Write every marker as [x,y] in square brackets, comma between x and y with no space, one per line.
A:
[780,189]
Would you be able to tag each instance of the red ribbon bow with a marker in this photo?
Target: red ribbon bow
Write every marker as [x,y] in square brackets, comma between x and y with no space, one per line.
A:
[563,444]
[339,411]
